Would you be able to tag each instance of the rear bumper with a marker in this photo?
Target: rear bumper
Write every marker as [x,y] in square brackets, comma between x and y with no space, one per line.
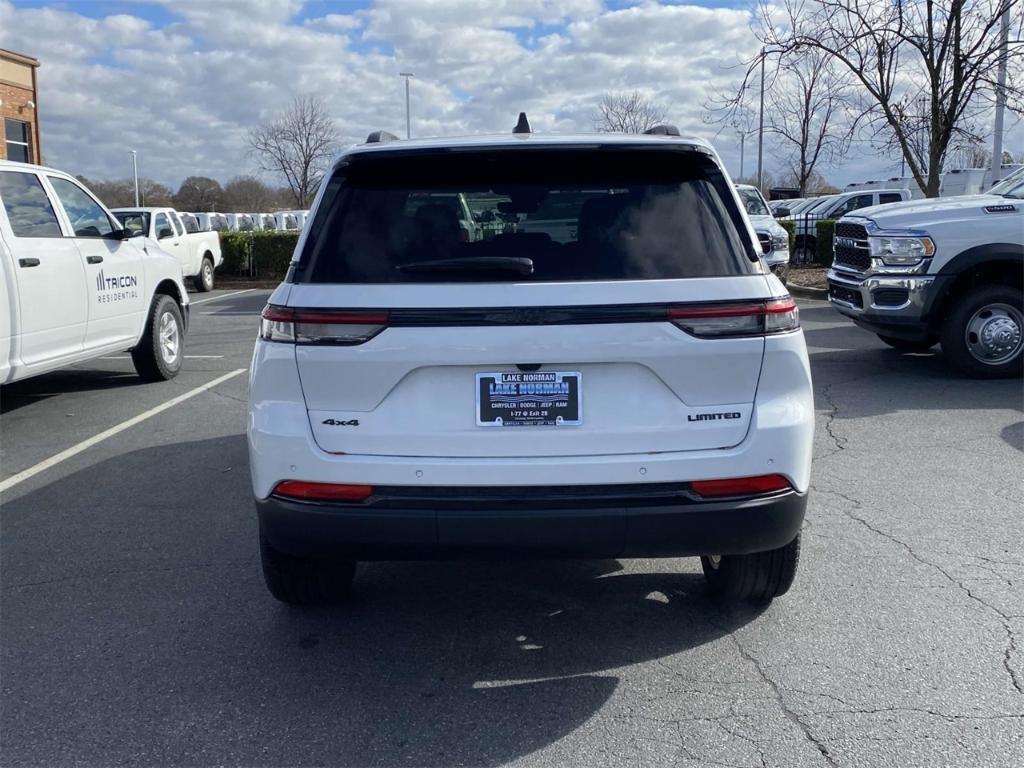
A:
[628,527]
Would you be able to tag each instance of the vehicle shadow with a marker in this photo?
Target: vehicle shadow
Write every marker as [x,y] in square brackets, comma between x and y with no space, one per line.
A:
[155,584]
[1013,435]
[875,379]
[37,388]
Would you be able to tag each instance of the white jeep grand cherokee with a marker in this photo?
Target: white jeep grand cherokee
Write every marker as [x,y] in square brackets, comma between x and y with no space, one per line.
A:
[635,385]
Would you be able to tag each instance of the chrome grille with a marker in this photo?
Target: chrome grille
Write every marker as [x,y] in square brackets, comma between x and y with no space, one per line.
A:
[850,246]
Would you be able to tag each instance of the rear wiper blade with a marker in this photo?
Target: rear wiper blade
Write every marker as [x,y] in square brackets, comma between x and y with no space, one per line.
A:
[519,265]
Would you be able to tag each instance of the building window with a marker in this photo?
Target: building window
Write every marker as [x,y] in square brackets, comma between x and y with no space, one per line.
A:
[18,137]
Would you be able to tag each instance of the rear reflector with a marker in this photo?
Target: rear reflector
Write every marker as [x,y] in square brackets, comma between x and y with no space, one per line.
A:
[297,489]
[748,318]
[740,486]
[305,326]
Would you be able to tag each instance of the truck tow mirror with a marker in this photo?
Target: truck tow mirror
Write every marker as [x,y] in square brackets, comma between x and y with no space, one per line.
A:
[165,233]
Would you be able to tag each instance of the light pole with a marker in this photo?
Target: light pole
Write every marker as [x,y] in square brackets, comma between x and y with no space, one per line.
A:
[743,140]
[760,130]
[997,131]
[408,120]
[135,175]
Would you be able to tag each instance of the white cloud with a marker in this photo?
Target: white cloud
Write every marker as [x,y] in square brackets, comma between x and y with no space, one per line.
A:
[185,94]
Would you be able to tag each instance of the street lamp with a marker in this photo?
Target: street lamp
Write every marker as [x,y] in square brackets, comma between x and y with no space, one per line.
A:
[760,130]
[408,122]
[135,175]
[743,140]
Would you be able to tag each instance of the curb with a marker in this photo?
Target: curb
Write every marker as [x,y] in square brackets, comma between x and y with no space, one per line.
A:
[806,292]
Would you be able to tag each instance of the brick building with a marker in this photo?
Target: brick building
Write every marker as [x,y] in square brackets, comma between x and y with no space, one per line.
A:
[19,124]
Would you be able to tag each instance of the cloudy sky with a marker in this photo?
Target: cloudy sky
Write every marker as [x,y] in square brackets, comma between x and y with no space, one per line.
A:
[183,81]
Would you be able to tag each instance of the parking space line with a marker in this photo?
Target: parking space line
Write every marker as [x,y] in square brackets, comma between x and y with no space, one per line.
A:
[222,296]
[187,357]
[74,450]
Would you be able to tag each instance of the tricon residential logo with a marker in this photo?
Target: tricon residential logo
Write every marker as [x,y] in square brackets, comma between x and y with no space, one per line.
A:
[119,288]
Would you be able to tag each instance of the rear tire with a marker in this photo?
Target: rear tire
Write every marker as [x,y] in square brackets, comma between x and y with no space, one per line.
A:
[982,335]
[159,353]
[905,345]
[758,577]
[305,580]
[204,280]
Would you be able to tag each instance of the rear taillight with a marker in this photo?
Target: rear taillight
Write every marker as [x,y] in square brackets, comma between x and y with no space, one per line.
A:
[741,486]
[303,491]
[308,326]
[747,318]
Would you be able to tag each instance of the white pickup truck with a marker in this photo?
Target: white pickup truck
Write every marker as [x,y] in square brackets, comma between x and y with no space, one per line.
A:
[947,271]
[76,285]
[198,251]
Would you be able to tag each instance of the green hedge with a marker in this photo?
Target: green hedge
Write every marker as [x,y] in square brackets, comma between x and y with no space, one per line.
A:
[271,253]
[790,226]
[826,229]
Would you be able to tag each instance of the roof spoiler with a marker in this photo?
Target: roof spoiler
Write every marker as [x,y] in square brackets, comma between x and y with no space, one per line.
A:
[662,130]
[380,137]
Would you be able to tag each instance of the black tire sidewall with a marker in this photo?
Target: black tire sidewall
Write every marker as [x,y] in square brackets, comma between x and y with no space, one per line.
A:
[955,347]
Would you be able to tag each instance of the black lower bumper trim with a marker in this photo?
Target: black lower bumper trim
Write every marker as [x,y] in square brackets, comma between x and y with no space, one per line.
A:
[658,529]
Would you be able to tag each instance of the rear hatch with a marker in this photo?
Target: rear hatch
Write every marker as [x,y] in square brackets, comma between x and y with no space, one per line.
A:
[605,302]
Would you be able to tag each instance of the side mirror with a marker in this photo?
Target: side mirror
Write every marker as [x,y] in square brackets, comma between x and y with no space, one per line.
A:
[165,233]
[781,212]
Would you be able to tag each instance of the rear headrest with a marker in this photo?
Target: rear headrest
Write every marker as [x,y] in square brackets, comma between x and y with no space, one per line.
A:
[435,220]
[601,216]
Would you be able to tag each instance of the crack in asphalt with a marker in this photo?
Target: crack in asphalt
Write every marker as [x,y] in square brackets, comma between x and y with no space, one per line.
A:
[1004,619]
[776,689]
[850,709]
[830,417]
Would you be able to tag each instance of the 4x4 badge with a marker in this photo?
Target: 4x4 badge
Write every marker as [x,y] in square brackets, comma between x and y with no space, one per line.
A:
[336,423]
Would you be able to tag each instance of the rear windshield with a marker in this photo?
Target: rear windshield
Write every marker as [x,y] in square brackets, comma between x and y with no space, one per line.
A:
[526,215]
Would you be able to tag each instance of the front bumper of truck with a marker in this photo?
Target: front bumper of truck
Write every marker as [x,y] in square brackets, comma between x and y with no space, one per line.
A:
[893,305]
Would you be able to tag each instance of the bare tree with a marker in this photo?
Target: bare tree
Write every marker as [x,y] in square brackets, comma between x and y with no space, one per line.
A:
[199,193]
[121,193]
[155,194]
[807,111]
[627,113]
[946,51]
[297,146]
[247,193]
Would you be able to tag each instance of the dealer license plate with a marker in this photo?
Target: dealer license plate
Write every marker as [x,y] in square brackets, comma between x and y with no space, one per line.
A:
[540,398]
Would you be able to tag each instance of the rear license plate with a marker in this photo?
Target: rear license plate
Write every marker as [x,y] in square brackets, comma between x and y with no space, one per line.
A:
[541,398]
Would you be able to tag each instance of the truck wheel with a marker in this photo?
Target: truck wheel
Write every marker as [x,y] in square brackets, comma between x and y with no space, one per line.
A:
[159,353]
[305,580]
[906,345]
[759,577]
[204,280]
[983,336]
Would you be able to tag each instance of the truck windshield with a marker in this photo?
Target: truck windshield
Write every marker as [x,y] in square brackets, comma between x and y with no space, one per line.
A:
[1011,186]
[575,215]
[753,202]
[134,221]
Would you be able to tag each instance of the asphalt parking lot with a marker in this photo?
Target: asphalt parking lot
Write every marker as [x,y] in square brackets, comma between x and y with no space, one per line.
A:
[136,629]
